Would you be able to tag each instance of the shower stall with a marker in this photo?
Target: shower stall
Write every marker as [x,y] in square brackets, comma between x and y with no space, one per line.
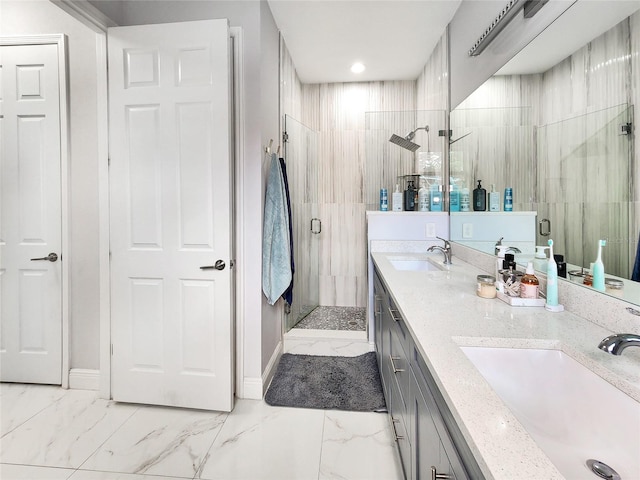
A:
[301,156]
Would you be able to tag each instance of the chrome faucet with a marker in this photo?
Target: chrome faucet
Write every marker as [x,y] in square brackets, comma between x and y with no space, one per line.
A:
[615,344]
[446,250]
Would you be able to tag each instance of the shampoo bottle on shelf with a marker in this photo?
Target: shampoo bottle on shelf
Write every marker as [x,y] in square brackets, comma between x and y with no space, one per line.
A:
[598,269]
[396,200]
[384,200]
[508,199]
[464,200]
[454,199]
[479,198]
[494,200]
[423,198]
[436,198]
[410,197]
[529,284]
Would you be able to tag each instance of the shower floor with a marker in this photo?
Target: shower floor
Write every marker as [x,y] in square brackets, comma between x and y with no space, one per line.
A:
[335,318]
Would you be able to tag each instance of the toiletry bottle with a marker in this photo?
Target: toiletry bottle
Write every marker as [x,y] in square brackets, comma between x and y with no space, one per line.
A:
[561,264]
[479,198]
[454,199]
[464,200]
[598,269]
[508,199]
[384,200]
[410,197]
[423,198]
[396,200]
[494,200]
[502,250]
[436,198]
[540,258]
[529,283]
[552,283]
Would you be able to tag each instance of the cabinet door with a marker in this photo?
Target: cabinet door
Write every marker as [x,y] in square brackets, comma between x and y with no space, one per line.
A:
[379,295]
[427,451]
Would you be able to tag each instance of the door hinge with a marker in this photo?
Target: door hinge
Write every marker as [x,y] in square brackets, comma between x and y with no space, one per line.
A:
[285,137]
[109,161]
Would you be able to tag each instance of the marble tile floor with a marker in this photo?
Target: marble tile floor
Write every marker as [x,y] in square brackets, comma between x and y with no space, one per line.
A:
[50,433]
[335,318]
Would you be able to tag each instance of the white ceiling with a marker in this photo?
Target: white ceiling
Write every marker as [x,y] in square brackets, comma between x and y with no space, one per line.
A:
[392,38]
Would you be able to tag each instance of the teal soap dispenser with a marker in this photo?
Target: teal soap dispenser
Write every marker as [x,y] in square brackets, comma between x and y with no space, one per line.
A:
[598,268]
[552,283]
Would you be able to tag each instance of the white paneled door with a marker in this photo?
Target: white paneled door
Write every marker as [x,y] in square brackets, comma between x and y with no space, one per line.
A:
[171,222]
[30,215]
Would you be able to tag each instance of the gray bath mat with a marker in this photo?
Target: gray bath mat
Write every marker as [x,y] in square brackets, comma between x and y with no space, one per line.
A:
[340,383]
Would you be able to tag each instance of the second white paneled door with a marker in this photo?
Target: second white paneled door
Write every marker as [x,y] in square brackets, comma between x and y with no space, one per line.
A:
[171,217]
[30,219]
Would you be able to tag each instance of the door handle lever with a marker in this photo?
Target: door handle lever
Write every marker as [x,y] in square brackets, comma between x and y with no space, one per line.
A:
[219,265]
[52,257]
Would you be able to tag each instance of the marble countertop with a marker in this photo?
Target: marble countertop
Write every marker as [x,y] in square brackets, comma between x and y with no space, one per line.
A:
[443,313]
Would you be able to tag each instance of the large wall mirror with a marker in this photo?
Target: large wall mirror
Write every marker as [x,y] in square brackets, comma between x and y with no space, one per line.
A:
[556,125]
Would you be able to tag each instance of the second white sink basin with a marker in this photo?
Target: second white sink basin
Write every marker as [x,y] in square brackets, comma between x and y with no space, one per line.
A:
[572,414]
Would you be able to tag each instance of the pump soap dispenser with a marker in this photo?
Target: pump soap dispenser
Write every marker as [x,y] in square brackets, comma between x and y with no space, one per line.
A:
[479,198]
[552,283]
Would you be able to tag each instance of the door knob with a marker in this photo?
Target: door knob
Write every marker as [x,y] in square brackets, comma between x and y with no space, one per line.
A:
[219,265]
[52,257]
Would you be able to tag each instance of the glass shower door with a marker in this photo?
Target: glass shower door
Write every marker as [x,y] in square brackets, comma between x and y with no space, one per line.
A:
[584,188]
[301,156]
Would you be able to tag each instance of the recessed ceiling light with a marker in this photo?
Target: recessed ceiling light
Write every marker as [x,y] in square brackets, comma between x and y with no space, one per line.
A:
[357,67]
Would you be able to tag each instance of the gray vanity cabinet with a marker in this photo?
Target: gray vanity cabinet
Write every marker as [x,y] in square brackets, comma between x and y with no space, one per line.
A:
[394,369]
[429,441]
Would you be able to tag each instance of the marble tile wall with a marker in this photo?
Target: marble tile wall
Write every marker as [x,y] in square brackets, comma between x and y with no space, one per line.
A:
[337,112]
[432,86]
[349,175]
[580,101]
[501,146]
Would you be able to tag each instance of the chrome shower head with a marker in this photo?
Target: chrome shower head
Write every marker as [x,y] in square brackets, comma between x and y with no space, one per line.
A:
[406,142]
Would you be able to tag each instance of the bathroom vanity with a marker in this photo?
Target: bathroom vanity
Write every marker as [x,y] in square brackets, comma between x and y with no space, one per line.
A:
[448,420]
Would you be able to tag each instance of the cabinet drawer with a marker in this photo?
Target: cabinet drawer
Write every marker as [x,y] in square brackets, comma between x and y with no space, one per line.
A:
[399,429]
[399,366]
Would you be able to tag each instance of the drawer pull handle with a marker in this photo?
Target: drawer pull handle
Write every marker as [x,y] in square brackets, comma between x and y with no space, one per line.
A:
[393,314]
[395,433]
[438,476]
[393,365]
[378,303]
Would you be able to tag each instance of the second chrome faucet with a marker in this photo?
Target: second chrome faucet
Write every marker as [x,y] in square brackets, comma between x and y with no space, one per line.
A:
[446,250]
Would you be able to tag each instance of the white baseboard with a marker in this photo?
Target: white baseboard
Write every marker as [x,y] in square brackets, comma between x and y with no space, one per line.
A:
[255,387]
[83,379]
[270,371]
[252,388]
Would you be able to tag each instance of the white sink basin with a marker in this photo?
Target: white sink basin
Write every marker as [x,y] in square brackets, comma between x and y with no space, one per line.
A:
[571,413]
[413,264]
